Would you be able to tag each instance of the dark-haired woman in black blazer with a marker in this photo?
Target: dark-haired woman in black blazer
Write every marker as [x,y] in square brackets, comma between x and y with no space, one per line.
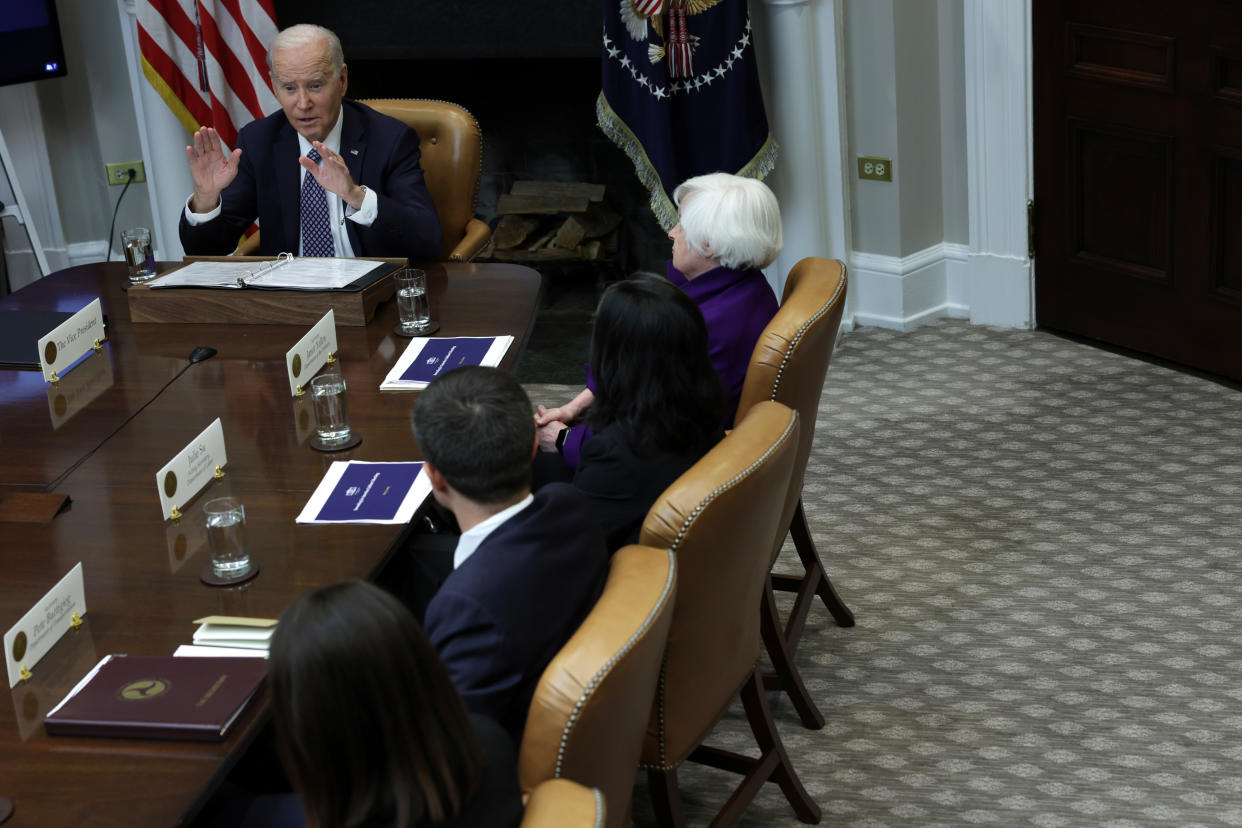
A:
[658,402]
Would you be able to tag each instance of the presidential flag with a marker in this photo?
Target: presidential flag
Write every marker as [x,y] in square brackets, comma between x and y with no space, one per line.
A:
[681,93]
[208,60]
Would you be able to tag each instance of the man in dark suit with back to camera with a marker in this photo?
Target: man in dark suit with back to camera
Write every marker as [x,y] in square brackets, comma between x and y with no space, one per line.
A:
[325,176]
[527,568]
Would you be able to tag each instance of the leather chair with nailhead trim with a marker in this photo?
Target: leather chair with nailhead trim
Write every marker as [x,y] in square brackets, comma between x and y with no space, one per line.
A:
[719,519]
[590,709]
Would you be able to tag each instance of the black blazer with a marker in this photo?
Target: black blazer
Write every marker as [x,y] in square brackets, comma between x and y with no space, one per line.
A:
[502,615]
[621,486]
[380,152]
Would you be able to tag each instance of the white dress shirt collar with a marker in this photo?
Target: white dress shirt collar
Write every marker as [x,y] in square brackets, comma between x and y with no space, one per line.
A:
[475,535]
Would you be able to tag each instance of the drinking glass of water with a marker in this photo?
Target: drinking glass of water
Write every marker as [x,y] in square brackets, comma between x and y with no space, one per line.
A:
[136,242]
[331,409]
[226,536]
[413,308]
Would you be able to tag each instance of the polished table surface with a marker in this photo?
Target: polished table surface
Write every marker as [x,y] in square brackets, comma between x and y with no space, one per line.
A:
[141,573]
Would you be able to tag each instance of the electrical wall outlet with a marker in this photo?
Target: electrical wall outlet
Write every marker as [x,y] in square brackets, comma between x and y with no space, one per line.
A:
[875,169]
[118,172]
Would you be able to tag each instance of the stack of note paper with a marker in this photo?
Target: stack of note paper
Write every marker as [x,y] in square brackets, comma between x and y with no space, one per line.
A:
[220,635]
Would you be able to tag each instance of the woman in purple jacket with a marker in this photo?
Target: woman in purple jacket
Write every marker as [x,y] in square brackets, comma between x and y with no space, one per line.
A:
[729,228]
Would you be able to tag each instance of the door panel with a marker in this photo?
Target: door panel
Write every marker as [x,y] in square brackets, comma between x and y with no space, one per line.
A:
[1138,175]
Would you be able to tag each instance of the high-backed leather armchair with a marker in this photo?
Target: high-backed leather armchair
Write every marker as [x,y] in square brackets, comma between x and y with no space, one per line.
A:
[559,803]
[451,144]
[789,364]
[719,519]
[452,160]
[589,712]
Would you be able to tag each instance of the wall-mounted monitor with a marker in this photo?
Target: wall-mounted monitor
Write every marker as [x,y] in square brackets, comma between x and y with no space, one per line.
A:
[30,44]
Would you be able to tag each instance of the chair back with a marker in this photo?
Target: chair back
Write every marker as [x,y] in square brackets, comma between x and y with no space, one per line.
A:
[452,161]
[590,709]
[559,803]
[718,519]
[791,358]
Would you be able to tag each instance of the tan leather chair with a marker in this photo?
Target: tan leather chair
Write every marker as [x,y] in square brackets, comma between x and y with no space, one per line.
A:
[590,709]
[719,519]
[452,160]
[559,803]
[788,365]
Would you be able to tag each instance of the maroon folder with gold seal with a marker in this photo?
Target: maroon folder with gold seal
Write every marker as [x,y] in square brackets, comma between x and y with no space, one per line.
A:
[158,697]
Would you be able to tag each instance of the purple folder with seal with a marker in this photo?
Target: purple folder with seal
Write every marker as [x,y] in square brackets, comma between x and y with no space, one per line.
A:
[370,491]
[441,355]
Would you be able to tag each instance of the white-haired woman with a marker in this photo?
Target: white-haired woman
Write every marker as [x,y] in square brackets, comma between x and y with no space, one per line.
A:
[729,228]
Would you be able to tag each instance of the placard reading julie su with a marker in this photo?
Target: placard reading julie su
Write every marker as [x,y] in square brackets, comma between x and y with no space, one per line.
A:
[193,468]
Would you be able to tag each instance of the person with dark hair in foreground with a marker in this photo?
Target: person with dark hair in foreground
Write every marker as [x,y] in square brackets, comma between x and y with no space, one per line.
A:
[369,728]
[658,403]
[527,568]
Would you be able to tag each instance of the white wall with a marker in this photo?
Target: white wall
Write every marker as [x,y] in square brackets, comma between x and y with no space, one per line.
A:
[88,120]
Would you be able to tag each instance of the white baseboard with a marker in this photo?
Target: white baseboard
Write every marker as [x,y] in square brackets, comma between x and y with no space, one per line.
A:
[903,293]
[80,253]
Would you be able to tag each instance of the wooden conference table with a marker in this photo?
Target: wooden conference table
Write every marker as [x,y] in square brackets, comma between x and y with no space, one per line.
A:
[141,573]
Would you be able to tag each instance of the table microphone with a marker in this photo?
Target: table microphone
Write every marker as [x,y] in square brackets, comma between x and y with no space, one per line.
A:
[201,353]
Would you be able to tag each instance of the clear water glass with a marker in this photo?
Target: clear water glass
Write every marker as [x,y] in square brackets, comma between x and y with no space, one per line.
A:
[139,255]
[331,408]
[413,307]
[226,537]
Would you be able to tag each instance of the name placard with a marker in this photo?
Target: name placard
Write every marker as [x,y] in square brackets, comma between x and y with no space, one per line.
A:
[49,619]
[69,340]
[193,468]
[310,354]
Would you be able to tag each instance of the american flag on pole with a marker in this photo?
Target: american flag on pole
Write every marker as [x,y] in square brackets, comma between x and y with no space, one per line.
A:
[208,60]
[681,93]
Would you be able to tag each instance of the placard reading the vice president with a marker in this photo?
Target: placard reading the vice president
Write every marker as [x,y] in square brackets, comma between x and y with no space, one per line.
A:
[311,352]
[364,492]
[71,339]
[427,358]
[186,474]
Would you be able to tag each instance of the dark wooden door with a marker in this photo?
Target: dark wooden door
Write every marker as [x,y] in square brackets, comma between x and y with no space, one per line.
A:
[1138,175]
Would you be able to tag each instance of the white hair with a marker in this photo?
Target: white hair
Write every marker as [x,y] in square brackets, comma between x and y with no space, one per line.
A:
[306,34]
[735,217]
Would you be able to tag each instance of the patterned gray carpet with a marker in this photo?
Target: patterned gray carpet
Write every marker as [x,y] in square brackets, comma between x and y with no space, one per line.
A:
[1042,543]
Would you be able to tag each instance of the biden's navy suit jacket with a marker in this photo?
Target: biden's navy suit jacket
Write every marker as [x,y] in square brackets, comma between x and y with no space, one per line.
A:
[381,154]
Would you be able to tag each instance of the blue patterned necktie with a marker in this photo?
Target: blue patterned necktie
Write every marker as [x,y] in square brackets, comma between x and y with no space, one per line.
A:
[316,226]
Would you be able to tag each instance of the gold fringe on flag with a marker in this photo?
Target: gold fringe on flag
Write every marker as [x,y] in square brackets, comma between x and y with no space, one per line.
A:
[759,166]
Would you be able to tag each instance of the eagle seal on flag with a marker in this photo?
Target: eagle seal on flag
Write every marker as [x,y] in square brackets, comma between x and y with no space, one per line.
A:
[681,93]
